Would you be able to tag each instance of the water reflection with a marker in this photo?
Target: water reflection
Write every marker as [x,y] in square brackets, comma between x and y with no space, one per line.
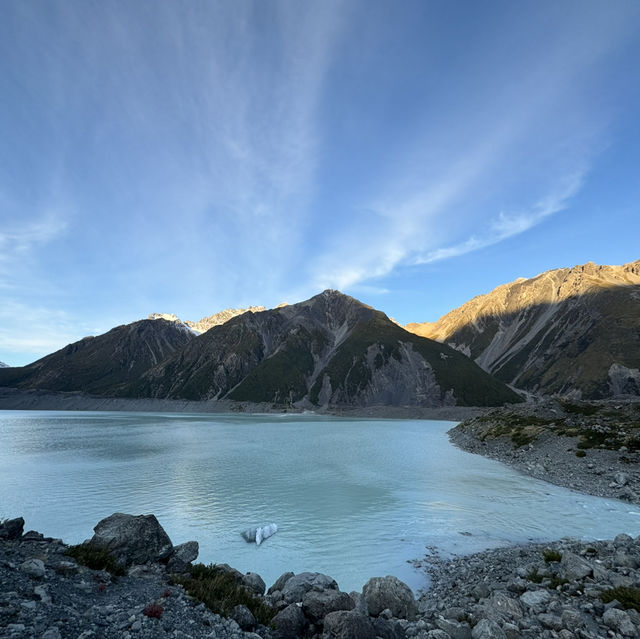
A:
[353,498]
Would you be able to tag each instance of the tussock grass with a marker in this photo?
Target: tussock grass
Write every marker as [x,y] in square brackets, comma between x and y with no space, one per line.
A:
[96,558]
[628,597]
[221,592]
[550,555]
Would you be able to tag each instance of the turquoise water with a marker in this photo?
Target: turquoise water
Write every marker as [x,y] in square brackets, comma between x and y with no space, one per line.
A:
[352,498]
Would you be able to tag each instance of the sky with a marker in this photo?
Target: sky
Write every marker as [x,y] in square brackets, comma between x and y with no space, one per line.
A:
[190,156]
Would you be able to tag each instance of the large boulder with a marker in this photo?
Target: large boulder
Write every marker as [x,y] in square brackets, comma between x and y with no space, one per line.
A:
[11,528]
[389,592]
[348,624]
[133,539]
[280,582]
[289,623]
[316,604]
[254,582]
[573,567]
[298,586]
[182,556]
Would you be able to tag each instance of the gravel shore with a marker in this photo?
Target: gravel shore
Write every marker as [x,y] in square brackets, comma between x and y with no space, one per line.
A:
[17,399]
[590,447]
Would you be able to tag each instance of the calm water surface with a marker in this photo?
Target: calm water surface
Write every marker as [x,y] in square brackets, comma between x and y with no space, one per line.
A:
[352,498]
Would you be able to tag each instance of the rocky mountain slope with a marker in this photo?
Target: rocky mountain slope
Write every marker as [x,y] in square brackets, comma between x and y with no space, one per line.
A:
[206,323]
[102,364]
[568,331]
[3,365]
[329,350]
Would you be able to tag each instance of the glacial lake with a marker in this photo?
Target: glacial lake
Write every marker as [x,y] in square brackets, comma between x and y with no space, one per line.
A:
[353,498]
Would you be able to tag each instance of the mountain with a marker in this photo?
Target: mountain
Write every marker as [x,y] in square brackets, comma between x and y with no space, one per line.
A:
[102,364]
[206,323]
[3,365]
[567,331]
[331,349]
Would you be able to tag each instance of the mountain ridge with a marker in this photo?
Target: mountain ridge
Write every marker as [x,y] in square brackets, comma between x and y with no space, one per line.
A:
[328,350]
[570,330]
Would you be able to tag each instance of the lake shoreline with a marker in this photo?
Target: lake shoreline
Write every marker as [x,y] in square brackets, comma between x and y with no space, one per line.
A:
[566,589]
[587,447]
[18,399]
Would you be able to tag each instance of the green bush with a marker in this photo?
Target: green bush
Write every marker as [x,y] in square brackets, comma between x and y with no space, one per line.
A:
[550,555]
[96,558]
[221,592]
[628,597]
[581,453]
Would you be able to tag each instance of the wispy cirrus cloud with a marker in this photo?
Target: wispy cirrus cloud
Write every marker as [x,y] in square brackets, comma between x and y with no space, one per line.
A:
[513,158]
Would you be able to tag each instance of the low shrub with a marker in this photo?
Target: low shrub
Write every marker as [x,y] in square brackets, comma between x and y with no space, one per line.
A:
[581,453]
[153,611]
[628,596]
[221,592]
[557,582]
[535,577]
[550,555]
[96,558]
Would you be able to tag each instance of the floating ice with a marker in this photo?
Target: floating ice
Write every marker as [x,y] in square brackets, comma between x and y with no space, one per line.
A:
[260,533]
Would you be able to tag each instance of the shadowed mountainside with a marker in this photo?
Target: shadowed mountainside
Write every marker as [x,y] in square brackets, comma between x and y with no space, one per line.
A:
[329,350]
[101,364]
[568,331]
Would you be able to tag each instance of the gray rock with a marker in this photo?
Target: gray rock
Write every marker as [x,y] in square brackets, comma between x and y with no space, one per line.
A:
[52,633]
[297,586]
[622,540]
[243,617]
[619,621]
[359,602]
[571,619]
[133,539]
[511,631]
[481,591]
[182,556]
[502,607]
[574,567]
[11,528]
[226,568]
[280,582]
[487,629]
[254,582]
[623,559]
[389,592]
[290,622]
[348,625]
[43,594]
[455,629]
[438,634]
[33,568]
[553,622]
[316,604]
[535,598]
[388,628]
[621,479]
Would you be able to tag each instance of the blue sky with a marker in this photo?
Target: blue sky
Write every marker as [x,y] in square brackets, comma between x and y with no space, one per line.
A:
[192,156]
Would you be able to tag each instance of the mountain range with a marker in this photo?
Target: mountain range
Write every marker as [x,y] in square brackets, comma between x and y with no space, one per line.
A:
[328,350]
[571,331]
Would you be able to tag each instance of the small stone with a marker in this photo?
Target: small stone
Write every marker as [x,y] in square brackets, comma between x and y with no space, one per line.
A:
[243,617]
[52,633]
[535,598]
[487,629]
[619,621]
[33,568]
[254,582]
[11,528]
[621,479]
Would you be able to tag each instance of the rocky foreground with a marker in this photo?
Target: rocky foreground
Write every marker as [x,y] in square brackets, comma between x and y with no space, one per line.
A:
[593,447]
[568,590]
